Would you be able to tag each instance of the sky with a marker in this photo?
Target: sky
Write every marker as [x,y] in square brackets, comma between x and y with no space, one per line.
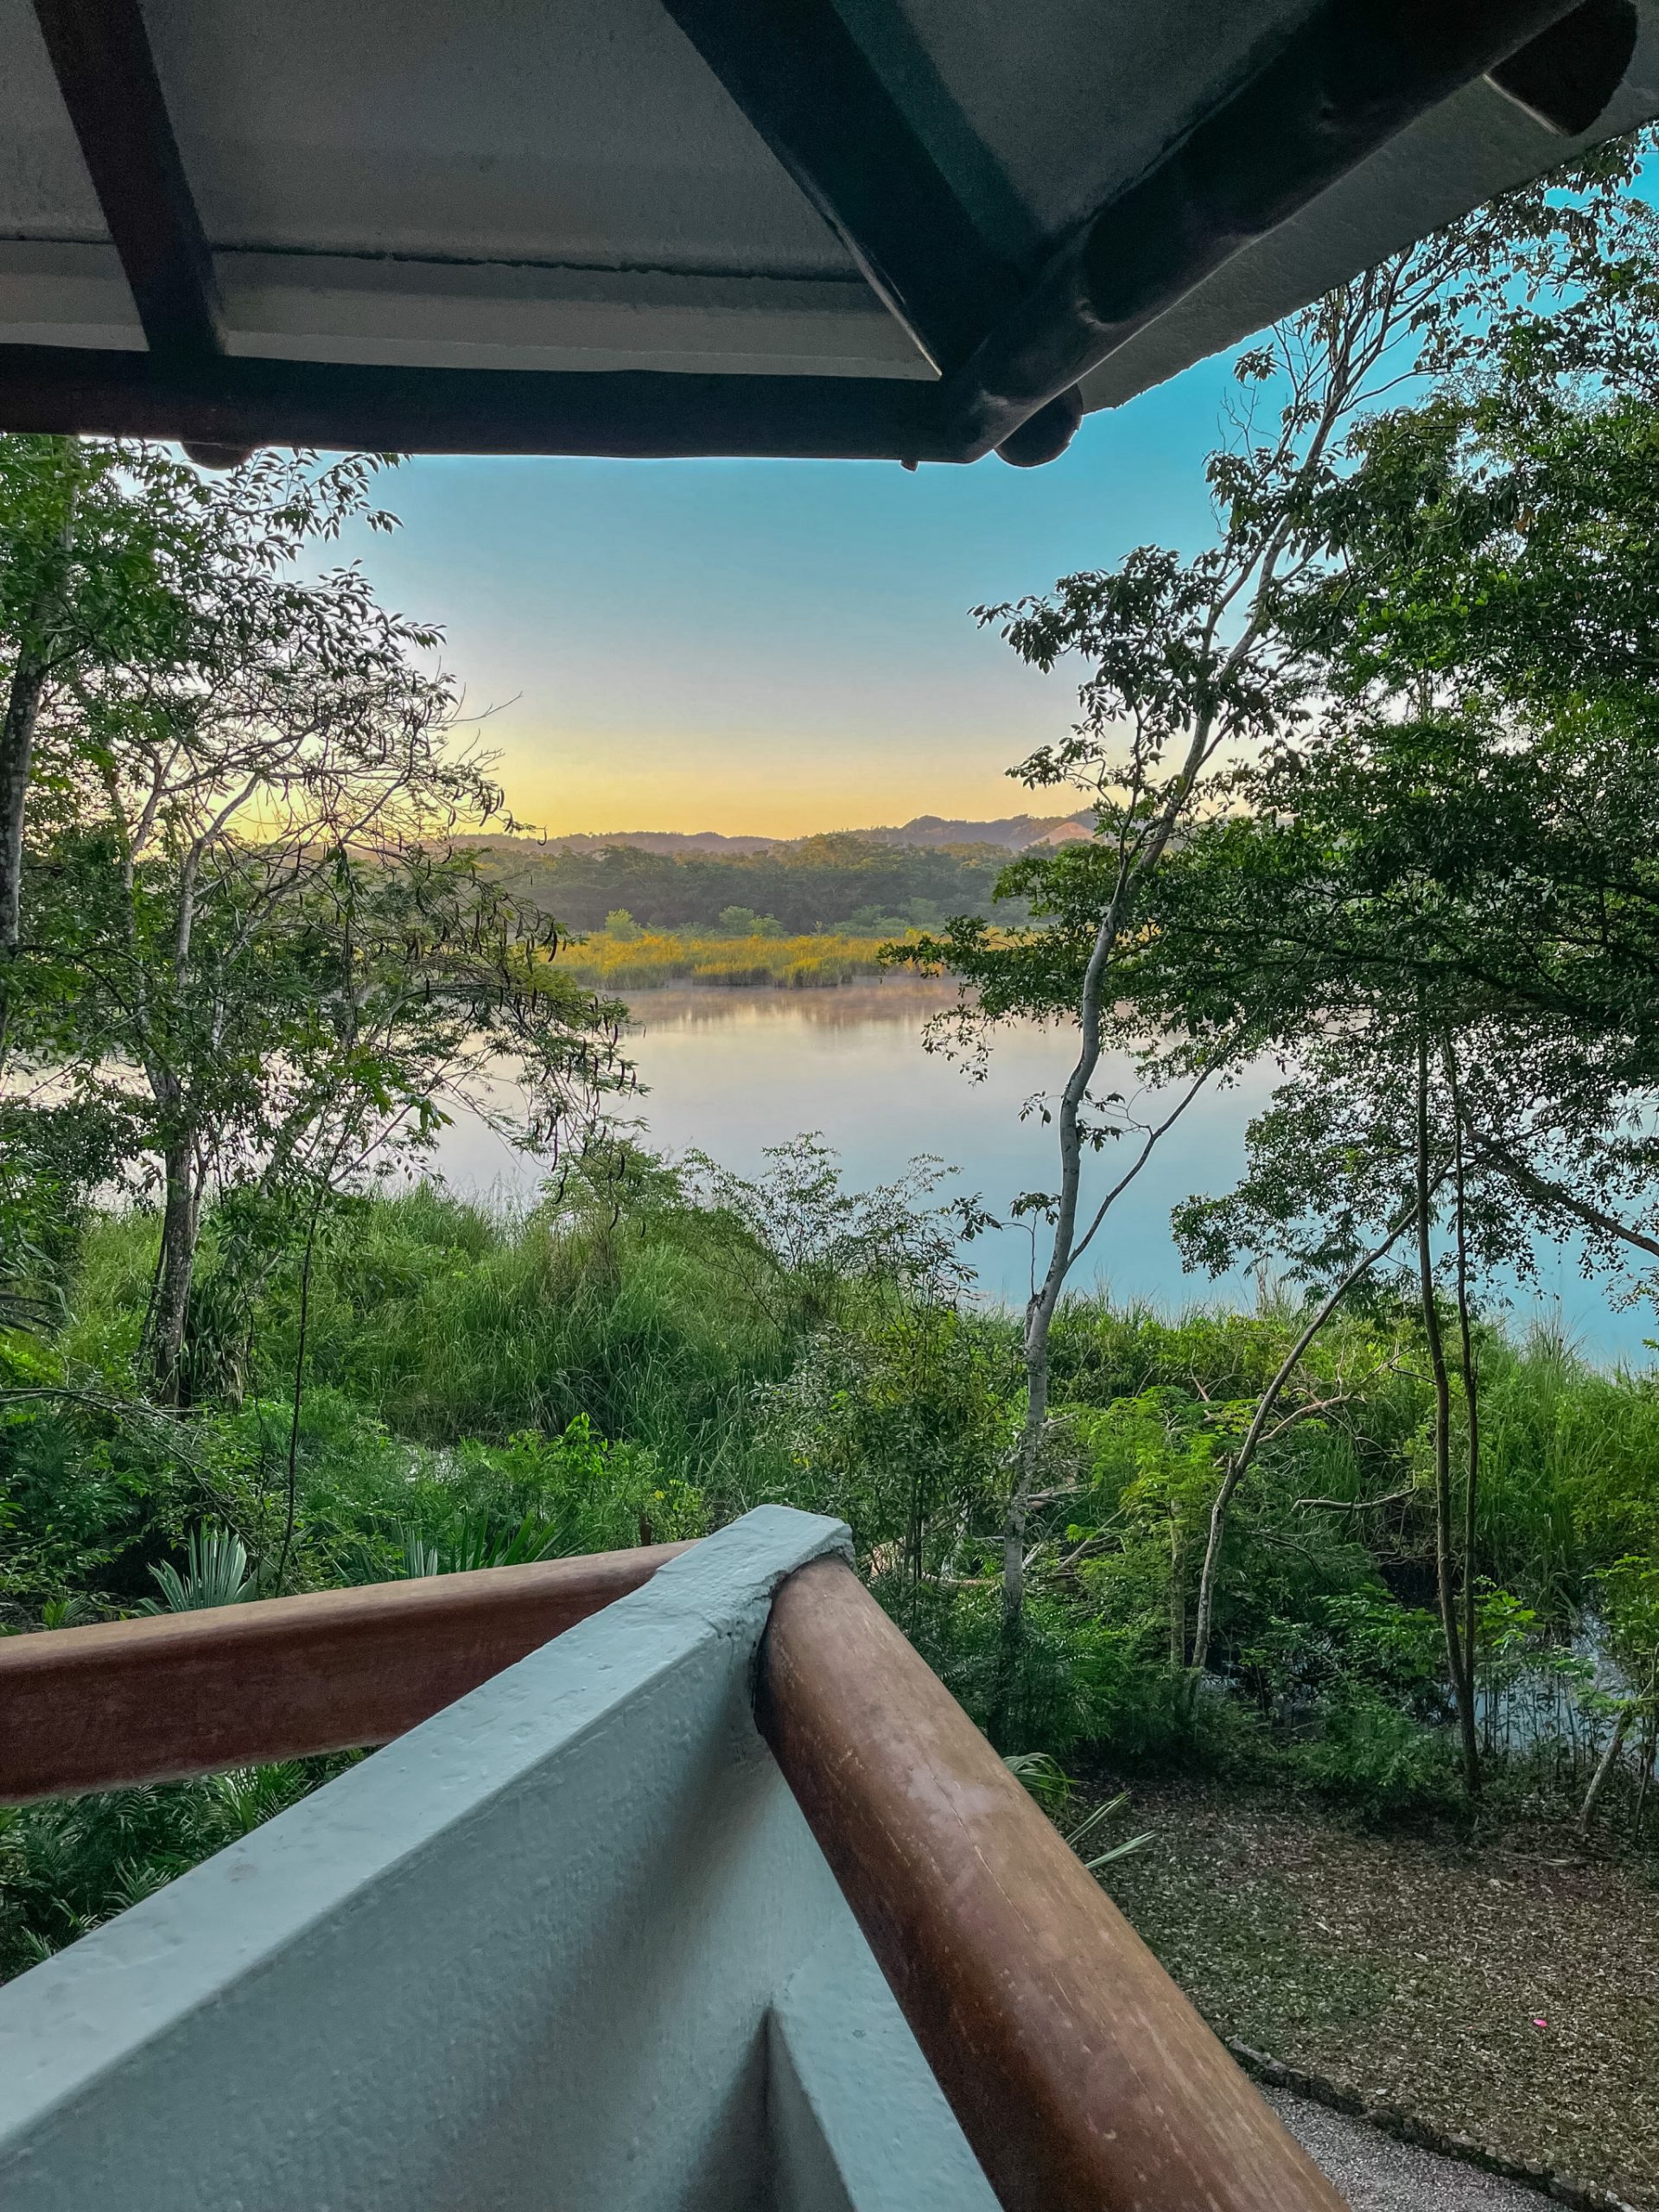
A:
[773,647]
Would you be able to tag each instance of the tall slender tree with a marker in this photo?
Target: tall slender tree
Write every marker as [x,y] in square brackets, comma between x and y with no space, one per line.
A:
[1194,665]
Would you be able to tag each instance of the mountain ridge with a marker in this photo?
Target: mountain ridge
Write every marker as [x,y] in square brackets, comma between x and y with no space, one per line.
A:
[1015,833]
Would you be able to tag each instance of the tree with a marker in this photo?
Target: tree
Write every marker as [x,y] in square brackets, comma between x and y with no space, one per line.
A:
[1437,906]
[125,569]
[1194,663]
[1187,665]
[243,897]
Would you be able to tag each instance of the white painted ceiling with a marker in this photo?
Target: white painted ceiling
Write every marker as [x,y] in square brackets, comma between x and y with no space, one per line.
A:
[564,184]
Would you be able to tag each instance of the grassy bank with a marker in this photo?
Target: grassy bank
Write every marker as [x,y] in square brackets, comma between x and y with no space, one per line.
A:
[635,963]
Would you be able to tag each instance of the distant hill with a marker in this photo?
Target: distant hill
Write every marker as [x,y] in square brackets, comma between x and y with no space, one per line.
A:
[875,885]
[1014,832]
[672,841]
[1018,832]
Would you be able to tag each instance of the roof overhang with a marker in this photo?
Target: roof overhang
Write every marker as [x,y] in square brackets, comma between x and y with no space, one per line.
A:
[913,230]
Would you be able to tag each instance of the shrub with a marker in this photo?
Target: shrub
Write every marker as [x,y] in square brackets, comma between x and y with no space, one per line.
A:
[1376,1759]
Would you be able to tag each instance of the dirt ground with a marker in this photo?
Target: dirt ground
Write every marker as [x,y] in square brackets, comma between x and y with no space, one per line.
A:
[1507,1992]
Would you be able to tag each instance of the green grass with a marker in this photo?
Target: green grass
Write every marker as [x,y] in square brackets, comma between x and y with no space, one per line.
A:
[656,958]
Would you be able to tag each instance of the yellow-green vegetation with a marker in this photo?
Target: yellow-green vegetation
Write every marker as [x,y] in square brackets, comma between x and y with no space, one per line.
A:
[608,962]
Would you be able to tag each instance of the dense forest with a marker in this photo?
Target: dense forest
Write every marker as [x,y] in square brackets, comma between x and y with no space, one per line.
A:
[837,882]
[1374,777]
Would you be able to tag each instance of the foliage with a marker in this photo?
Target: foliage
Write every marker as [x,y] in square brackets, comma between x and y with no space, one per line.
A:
[252,960]
[643,1356]
[1371,781]
[839,884]
[1193,667]
[1371,1755]
[1041,1773]
[897,1424]
[217,1574]
[66,1866]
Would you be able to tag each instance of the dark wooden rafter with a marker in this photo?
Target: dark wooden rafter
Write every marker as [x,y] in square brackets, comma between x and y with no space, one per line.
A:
[808,89]
[1352,77]
[101,54]
[242,400]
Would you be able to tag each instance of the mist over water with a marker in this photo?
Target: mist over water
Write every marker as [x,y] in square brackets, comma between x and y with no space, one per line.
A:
[731,1071]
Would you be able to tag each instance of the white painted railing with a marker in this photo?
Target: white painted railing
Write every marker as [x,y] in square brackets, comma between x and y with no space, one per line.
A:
[568,1944]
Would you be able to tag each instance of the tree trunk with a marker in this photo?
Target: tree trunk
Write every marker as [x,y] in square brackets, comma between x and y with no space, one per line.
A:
[1471,1404]
[1028,1456]
[1241,1459]
[17,758]
[1649,1753]
[1605,1766]
[17,730]
[180,1227]
[1039,1318]
[1461,1675]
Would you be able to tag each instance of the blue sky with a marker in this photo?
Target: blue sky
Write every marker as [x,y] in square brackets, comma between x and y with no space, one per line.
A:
[771,647]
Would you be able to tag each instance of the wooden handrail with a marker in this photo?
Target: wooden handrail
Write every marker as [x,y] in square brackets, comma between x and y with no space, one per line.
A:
[1082,2077]
[181,1693]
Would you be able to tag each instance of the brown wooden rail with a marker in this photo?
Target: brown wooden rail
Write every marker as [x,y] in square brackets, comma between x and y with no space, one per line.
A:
[1080,2074]
[148,1700]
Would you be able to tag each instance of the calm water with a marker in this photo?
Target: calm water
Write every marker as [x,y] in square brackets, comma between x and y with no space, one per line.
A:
[732,1071]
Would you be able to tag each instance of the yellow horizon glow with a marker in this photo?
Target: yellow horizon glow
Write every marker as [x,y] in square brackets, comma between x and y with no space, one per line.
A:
[567,787]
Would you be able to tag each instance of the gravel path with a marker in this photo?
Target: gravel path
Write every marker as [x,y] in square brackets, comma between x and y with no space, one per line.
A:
[1376,2174]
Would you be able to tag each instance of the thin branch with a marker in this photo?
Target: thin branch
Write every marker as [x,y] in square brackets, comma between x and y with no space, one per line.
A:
[1153,1138]
[1352,1504]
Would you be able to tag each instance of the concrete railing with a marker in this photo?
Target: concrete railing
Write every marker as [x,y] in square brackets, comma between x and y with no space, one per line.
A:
[587,1938]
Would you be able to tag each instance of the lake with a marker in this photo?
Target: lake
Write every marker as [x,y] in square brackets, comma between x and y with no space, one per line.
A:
[731,1071]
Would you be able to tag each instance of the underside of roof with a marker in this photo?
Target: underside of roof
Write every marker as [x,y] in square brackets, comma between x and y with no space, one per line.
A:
[919,229]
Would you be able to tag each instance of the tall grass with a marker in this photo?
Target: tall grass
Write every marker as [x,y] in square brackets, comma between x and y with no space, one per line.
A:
[452,1320]
[448,1318]
[580,1369]
[652,958]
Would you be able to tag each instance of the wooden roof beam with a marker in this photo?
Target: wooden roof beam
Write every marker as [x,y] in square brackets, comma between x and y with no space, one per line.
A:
[241,400]
[807,87]
[100,54]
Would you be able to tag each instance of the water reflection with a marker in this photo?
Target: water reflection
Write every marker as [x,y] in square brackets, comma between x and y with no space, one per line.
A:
[732,1071]
[901,1001]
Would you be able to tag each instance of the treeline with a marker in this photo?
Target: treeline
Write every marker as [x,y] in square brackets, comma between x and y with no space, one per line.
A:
[839,881]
